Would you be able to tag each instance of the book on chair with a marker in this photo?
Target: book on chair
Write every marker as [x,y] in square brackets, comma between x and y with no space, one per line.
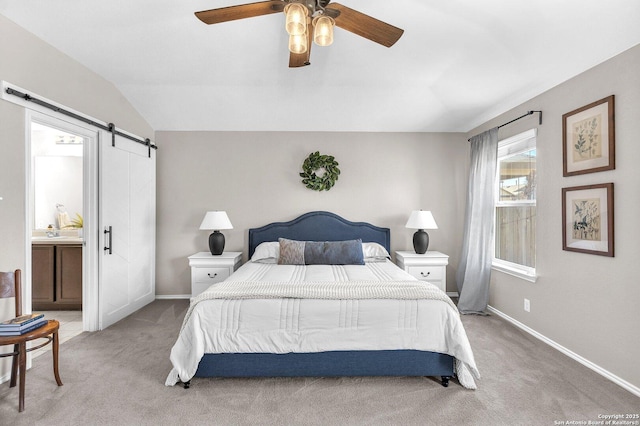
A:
[17,323]
[25,329]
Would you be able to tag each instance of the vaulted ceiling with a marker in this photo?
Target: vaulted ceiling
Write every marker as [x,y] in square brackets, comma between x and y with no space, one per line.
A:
[458,64]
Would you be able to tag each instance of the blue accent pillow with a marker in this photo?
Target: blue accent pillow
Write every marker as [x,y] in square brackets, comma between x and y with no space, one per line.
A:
[333,253]
[320,252]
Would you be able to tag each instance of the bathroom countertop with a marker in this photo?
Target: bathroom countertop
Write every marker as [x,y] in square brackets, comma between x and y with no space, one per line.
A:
[56,240]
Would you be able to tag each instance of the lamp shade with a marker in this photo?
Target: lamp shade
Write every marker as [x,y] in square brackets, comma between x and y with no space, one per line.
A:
[298,44]
[323,30]
[216,220]
[296,18]
[421,219]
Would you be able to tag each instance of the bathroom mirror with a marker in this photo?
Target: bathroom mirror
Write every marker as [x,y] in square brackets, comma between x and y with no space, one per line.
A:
[58,181]
[57,177]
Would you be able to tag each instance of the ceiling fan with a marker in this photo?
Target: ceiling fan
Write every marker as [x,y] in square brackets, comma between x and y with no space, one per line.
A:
[309,21]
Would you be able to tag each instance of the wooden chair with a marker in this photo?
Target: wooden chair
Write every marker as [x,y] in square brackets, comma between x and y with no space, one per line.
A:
[10,287]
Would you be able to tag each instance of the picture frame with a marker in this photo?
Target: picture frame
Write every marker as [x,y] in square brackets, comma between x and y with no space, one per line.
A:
[587,219]
[588,137]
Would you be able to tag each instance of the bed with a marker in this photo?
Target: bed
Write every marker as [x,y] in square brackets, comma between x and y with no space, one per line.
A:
[321,320]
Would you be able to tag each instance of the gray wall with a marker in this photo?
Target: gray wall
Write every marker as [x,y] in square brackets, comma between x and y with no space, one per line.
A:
[254,177]
[586,303]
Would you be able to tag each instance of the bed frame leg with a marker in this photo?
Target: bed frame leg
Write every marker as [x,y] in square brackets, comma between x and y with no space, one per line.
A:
[445,381]
[187,384]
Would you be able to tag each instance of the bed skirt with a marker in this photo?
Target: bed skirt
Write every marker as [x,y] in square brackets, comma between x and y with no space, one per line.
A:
[328,364]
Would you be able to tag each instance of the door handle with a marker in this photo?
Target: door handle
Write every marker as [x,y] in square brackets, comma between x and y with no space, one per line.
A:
[109,231]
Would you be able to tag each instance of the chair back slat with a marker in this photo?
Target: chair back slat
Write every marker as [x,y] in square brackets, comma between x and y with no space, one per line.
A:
[10,287]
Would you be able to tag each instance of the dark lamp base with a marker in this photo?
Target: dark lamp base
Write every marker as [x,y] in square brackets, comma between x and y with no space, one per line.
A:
[420,241]
[216,243]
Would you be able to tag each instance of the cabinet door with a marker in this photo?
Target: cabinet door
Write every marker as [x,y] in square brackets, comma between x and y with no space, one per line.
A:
[42,271]
[69,274]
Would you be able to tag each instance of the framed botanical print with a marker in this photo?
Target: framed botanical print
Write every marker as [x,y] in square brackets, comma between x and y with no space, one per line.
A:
[588,136]
[587,219]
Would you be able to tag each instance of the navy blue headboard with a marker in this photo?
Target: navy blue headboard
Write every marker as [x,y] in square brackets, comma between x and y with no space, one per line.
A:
[319,226]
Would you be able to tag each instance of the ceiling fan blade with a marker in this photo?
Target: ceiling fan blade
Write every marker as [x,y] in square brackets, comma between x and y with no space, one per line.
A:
[366,26]
[242,11]
[297,60]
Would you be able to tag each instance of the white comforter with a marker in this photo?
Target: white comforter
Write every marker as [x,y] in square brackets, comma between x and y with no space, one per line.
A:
[229,322]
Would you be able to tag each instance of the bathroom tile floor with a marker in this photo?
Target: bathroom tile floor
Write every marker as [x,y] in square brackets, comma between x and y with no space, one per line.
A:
[70,326]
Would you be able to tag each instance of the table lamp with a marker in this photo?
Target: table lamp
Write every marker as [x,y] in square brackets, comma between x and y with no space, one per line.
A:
[216,220]
[421,220]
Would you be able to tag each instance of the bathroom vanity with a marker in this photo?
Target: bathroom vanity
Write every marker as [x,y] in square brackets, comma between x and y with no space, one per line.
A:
[56,273]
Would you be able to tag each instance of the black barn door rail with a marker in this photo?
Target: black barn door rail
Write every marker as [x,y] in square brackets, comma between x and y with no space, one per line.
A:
[110,127]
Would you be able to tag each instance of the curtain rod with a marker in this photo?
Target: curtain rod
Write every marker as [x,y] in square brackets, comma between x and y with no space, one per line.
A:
[110,127]
[522,116]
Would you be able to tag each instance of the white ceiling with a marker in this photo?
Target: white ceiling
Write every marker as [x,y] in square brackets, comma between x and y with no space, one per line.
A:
[458,64]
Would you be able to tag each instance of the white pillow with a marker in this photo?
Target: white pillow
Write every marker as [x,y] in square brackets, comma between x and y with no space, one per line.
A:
[374,251]
[266,252]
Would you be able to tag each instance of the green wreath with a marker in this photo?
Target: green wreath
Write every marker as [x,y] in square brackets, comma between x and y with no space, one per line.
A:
[314,163]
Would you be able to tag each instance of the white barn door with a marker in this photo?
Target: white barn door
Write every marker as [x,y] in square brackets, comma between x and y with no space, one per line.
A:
[127,228]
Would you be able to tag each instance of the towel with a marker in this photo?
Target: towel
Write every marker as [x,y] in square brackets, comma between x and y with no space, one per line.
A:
[64,221]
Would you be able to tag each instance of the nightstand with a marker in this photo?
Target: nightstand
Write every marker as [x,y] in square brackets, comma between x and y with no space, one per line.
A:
[431,266]
[207,269]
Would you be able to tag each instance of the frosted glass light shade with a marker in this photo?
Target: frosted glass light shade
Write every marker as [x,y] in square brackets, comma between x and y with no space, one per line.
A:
[421,219]
[323,30]
[296,18]
[298,43]
[216,220]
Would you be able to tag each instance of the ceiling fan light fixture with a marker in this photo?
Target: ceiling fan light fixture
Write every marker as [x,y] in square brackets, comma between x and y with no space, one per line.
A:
[298,43]
[302,26]
[323,30]
[296,18]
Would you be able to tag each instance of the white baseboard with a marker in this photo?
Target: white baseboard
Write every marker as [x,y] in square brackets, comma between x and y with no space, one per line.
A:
[172,296]
[604,373]
[452,294]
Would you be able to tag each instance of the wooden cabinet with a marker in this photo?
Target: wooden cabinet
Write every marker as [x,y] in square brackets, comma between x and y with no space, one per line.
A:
[56,277]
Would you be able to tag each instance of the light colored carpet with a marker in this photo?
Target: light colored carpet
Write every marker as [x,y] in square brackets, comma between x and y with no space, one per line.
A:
[116,377]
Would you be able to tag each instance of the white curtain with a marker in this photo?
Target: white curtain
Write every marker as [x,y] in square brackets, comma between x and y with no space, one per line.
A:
[474,271]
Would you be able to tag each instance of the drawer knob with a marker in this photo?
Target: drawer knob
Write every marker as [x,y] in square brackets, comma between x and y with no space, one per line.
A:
[214,275]
[425,275]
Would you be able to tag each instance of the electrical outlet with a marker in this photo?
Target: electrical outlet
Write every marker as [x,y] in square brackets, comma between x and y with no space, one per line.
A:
[527,305]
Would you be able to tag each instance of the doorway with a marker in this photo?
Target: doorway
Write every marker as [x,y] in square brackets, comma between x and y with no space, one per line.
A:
[61,268]
[118,215]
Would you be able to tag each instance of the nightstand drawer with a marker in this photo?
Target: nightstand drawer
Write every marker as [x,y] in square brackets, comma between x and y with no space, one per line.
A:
[430,266]
[208,269]
[426,273]
[211,275]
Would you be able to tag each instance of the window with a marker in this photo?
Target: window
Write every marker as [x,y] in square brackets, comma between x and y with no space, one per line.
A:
[515,236]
